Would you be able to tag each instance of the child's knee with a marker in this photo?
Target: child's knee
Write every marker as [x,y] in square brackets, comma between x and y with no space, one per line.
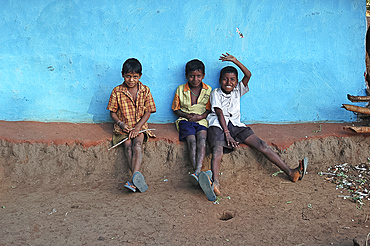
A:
[191,139]
[263,146]
[201,141]
[217,151]
[127,146]
[138,145]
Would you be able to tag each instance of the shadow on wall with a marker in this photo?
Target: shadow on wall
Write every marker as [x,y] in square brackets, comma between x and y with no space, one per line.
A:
[99,101]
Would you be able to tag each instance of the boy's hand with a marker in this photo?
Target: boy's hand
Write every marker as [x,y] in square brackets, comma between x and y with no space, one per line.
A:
[124,127]
[133,133]
[227,57]
[230,141]
[194,117]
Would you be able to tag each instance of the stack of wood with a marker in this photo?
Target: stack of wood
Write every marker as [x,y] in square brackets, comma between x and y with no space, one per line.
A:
[358,110]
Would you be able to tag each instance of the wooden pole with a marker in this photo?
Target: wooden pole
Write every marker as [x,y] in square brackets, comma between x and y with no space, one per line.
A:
[127,138]
[358,129]
[358,98]
[357,109]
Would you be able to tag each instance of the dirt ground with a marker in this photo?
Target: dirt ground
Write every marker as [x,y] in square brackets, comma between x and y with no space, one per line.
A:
[66,205]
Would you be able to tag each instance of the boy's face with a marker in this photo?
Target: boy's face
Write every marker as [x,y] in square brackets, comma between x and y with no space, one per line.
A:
[228,82]
[195,78]
[131,79]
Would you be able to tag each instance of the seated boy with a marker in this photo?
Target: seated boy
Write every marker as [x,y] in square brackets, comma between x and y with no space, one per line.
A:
[227,131]
[191,104]
[130,105]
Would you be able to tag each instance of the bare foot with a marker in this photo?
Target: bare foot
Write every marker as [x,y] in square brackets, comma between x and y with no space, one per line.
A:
[297,172]
[216,190]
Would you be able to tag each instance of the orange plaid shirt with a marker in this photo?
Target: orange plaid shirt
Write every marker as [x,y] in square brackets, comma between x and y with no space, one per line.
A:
[128,111]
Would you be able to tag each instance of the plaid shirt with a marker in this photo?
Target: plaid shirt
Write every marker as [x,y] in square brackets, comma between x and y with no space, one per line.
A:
[128,111]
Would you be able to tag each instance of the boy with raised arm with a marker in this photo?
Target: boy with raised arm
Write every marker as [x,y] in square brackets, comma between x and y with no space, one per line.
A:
[227,131]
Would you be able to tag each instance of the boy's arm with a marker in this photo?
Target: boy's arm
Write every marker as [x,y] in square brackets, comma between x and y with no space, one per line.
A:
[198,117]
[193,117]
[176,105]
[135,131]
[180,113]
[116,120]
[247,73]
[221,119]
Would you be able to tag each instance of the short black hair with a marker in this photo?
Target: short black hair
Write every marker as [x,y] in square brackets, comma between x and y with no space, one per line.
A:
[131,65]
[228,69]
[194,65]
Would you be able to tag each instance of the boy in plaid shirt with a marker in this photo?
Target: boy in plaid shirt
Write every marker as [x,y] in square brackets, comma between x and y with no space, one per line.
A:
[130,106]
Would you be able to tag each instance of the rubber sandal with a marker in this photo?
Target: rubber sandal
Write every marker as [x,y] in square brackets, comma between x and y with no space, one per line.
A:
[305,164]
[139,181]
[207,186]
[194,179]
[130,186]
[209,174]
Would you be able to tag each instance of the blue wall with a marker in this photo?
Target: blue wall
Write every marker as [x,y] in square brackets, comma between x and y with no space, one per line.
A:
[59,60]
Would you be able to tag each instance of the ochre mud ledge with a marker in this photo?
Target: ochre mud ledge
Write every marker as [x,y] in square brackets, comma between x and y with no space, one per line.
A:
[46,153]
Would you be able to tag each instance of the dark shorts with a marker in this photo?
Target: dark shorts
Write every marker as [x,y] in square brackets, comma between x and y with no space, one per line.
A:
[187,128]
[216,135]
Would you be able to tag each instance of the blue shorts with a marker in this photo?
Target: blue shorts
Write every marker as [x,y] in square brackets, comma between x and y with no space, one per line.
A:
[187,128]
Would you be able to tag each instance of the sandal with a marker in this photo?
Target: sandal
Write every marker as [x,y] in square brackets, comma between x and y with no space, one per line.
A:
[139,181]
[194,178]
[207,186]
[303,165]
[130,186]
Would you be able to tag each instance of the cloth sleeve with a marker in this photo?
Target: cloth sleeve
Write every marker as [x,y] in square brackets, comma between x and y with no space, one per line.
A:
[243,89]
[208,105]
[176,101]
[113,103]
[215,100]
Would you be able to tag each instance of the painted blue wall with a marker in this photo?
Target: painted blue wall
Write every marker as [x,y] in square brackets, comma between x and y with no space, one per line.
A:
[59,60]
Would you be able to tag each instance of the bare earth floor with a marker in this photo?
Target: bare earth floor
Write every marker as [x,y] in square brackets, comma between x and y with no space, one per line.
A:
[262,210]
[255,208]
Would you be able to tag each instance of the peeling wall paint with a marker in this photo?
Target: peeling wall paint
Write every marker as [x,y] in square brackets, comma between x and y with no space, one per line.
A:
[59,60]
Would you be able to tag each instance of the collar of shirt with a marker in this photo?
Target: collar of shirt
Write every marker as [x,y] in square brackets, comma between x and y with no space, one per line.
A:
[186,87]
[122,88]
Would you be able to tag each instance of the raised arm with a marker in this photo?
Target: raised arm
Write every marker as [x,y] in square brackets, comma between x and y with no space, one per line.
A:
[247,73]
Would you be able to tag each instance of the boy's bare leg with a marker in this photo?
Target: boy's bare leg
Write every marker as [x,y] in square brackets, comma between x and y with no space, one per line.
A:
[201,150]
[217,153]
[260,145]
[192,147]
[127,146]
[137,152]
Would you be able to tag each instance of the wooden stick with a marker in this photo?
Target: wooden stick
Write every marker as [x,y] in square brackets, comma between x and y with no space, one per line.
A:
[358,129]
[358,98]
[357,109]
[127,138]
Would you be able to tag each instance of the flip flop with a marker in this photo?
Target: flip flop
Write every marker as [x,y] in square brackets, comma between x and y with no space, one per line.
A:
[130,186]
[206,185]
[209,174]
[194,179]
[216,188]
[305,164]
[139,181]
